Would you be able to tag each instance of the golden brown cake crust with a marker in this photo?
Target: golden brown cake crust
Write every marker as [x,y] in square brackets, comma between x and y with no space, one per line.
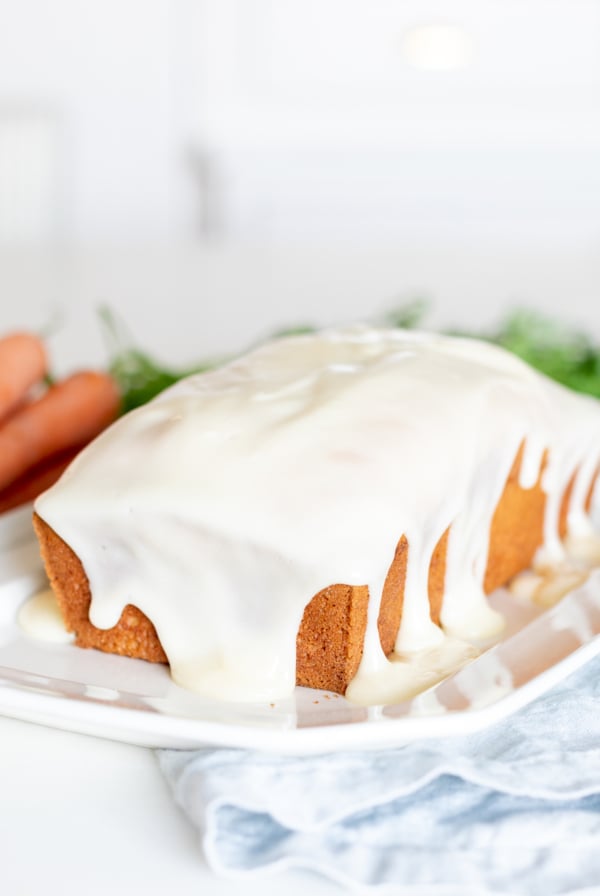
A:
[330,639]
[134,635]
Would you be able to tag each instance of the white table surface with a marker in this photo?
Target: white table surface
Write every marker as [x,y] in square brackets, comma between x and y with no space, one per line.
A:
[84,815]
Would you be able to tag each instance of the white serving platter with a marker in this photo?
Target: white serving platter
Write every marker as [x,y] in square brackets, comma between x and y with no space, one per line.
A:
[89,692]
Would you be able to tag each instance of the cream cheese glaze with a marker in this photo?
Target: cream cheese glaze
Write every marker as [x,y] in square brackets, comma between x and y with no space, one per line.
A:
[40,618]
[224,505]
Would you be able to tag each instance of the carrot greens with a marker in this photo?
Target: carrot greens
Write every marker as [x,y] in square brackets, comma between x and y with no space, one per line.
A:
[563,353]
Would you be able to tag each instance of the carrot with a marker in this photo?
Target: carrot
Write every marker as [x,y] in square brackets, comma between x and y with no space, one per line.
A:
[35,481]
[70,413]
[23,363]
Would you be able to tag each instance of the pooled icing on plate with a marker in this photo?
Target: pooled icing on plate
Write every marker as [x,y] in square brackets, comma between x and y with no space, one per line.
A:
[223,506]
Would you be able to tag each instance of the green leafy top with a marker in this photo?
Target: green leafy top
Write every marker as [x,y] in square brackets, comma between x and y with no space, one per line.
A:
[559,351]
[562,353]
[139,376]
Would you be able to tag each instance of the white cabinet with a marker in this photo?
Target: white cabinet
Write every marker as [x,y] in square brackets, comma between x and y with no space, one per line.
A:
[319,120]
[414,119]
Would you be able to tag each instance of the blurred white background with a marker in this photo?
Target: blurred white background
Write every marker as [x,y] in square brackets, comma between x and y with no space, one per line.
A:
[214,168]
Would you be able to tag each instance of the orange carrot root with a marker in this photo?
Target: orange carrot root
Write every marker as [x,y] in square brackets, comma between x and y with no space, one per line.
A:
[69,414]
[23,363]
[35,481]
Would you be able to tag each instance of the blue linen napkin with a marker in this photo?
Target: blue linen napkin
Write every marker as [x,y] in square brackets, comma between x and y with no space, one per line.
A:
[513,809]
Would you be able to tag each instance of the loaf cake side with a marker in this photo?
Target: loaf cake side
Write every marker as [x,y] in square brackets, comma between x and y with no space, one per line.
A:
[330,638]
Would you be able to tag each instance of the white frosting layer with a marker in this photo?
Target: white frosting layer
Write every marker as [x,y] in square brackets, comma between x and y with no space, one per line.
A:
[223,506]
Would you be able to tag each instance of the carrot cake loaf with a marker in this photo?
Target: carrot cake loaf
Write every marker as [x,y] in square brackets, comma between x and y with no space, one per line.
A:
[316,507]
